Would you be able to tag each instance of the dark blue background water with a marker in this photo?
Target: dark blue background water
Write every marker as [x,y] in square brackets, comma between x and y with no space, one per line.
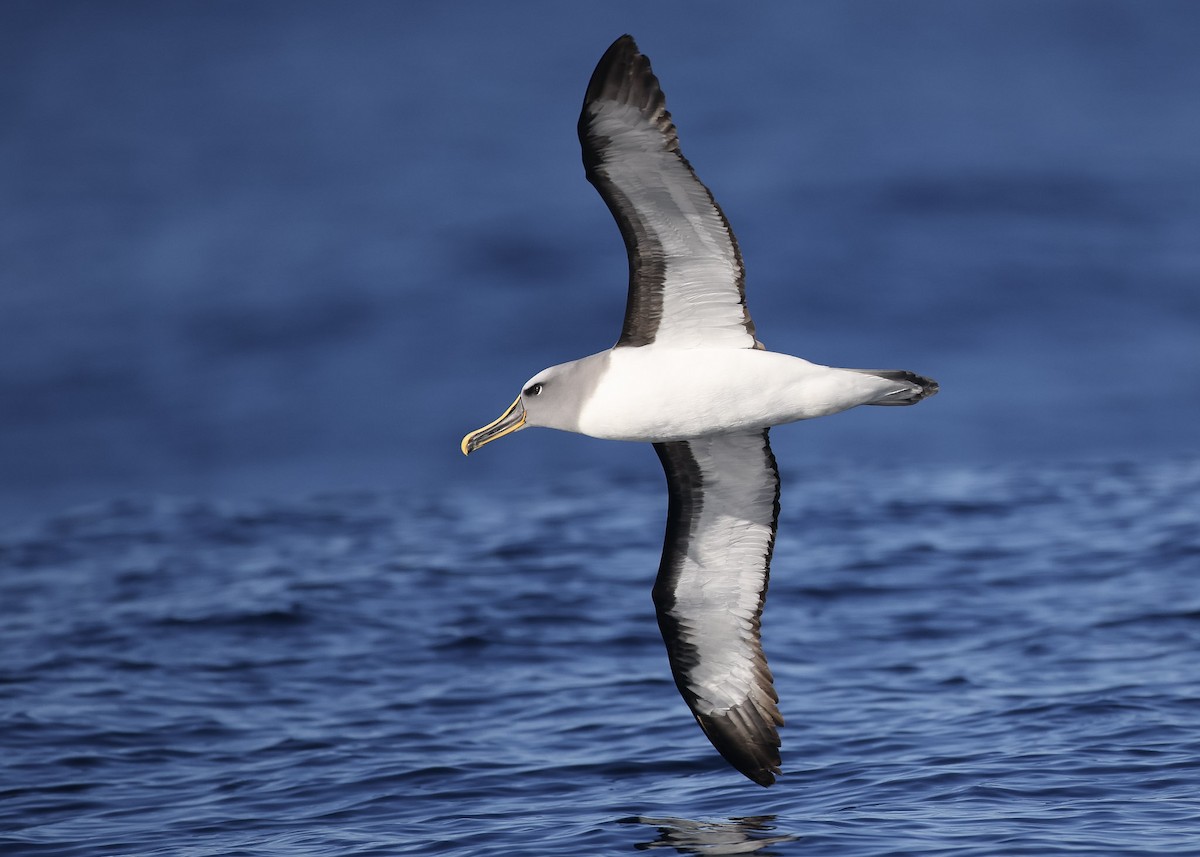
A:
[261,265]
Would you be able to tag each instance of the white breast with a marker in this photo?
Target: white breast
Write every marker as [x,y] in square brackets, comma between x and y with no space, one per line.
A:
[662,394]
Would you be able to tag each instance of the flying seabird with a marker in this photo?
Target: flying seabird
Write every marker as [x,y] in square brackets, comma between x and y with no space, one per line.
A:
[689,375]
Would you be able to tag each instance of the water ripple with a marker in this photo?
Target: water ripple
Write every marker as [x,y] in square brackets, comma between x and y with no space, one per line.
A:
[972,662]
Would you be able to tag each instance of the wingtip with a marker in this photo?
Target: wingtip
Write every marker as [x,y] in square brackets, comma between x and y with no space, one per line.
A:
[622,44]
[750,744]
[763,777]
[620,54]
[624,74]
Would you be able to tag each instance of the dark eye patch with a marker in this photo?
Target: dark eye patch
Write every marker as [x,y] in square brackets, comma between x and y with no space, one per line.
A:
[533,390]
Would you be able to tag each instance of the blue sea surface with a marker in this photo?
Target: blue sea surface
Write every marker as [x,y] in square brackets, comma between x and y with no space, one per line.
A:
[270,248]
[263,264]
[972,661]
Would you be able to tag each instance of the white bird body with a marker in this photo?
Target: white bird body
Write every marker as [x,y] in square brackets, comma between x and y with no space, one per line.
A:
[658,393]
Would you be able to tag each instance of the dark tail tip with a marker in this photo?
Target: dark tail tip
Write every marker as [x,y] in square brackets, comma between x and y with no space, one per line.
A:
[921,387]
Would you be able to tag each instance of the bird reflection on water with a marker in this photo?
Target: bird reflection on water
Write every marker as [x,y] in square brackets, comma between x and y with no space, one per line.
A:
[750,835]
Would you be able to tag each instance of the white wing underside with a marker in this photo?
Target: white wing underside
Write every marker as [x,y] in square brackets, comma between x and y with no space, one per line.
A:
[686,274]
[724,505]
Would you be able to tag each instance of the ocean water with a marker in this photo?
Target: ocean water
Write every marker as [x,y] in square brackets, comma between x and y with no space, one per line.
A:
[263,264]
[273,248]
[971,661]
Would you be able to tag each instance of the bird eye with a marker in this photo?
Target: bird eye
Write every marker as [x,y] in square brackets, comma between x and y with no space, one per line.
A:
[533,390]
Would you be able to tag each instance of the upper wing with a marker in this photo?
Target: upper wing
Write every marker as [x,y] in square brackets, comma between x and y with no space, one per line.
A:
[686,280]
[724,505]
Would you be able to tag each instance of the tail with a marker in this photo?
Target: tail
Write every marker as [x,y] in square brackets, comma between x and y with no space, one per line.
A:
[912,387]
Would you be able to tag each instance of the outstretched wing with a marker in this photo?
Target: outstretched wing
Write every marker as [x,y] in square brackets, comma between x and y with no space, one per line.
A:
[721,519]
[686,279]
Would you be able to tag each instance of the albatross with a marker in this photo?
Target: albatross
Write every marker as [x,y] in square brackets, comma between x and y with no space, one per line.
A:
[689,375]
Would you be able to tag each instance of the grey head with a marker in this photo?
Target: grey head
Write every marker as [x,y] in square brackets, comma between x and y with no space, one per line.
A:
[553,398]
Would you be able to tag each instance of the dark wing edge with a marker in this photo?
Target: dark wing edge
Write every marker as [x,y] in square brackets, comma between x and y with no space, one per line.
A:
[745,734]
[623,75]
